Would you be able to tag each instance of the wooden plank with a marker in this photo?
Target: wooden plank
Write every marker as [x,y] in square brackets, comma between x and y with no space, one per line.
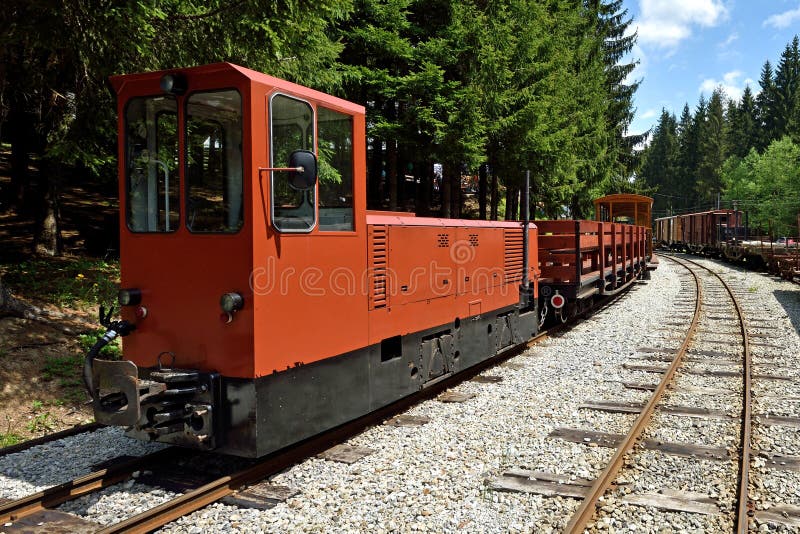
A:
[676,502]
[768,345]
[641,387]
[453,396]
[706,391]
[636,407]
[261,496]
[778,420]
[612,441]
[687,450]
[347,454]
[613,407]
[711,353]
[51,521]
[532,482]
[645,368]
[782,378]
[694,411]
[575,435]
[781,514]
[487,379]
[661,350]
[783,463]
[408,420]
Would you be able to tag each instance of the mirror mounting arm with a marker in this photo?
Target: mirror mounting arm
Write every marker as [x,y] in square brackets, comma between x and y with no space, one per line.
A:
[281,169]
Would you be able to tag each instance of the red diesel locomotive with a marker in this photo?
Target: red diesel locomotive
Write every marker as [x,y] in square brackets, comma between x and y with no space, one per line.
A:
[262,303]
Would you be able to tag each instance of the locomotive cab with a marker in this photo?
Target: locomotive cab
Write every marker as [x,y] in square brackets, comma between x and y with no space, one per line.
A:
[206,156]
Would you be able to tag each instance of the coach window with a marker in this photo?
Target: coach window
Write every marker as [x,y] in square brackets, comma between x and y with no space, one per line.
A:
[335,149]
[214,162]
[153,182]
[291,128]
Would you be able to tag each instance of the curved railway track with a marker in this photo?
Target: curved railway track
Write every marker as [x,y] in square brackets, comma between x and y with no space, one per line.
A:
[700,331]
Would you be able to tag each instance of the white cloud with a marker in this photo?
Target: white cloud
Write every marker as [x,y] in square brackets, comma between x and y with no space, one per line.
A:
[730,83]
[783,20]
[729,41]
[649,114]
[665,23]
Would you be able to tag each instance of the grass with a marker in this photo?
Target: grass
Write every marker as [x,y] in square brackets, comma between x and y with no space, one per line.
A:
[66,282]
[67,370]
[41,422]
[9,438]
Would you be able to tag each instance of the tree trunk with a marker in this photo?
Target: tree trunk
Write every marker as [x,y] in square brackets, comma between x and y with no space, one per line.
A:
[13,307]
[21,146]
[482,186]
[512,202]
[375,176]
[424,195]
[9,306]
[391,164]
[495,196]
[47,241]
[455,194]
[447,189]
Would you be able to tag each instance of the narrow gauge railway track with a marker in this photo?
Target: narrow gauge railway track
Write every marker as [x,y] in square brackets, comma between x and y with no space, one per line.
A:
[628,447]
[55,436]
[15,510]
[215,490]
[774,466]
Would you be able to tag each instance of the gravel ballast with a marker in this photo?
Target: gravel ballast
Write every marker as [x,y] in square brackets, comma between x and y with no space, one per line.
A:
[432,478]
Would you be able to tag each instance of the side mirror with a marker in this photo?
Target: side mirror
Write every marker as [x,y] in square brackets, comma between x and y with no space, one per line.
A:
[305,177]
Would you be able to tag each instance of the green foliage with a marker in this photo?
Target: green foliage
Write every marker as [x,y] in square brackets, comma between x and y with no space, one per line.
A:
[112,351]
[41,422]
[729,148]
[517,84]
[66,372]
[9,438]
[72,282]
[767,186]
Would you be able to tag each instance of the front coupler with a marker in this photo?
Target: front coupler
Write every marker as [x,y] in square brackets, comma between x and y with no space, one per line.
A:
[177,406]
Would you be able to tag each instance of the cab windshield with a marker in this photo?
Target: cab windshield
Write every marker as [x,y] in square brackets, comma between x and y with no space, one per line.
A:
[213,163]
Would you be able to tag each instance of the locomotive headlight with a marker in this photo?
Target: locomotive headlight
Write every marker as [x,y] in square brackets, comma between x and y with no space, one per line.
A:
[129,297]
[231,302]
[174,83]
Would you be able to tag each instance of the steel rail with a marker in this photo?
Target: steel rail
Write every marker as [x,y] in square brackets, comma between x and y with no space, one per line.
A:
[743,500]
[192,501]
[50,497]
[588,507]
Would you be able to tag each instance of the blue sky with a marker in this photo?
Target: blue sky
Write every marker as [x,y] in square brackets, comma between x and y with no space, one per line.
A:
[689,47]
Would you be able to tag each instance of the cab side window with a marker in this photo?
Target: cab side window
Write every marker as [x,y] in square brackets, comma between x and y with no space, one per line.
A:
[335,154]
[291,128]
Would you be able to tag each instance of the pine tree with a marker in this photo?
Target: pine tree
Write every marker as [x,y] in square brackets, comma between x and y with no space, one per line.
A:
[787,79]
[614,24]
[713,151]
[660,169]
[766,106]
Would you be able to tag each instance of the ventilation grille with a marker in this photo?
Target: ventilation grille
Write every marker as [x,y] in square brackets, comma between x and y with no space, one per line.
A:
[473,240]
[443,240]
[513,255]
[379,251]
